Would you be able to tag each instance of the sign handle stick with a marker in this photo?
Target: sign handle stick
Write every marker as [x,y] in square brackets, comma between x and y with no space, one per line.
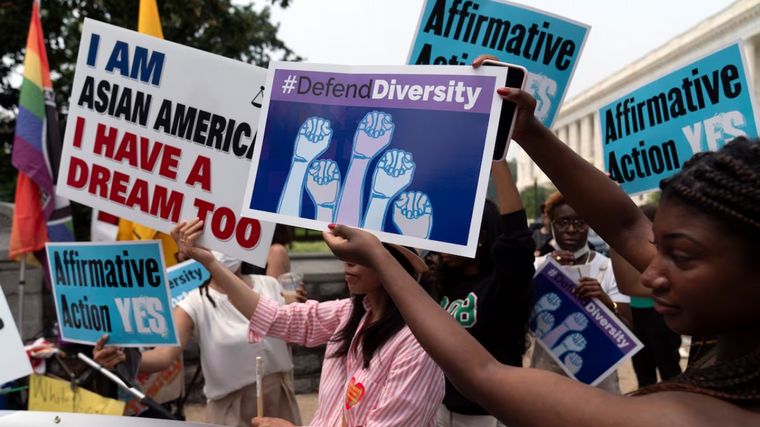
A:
[259,388]
[134,391]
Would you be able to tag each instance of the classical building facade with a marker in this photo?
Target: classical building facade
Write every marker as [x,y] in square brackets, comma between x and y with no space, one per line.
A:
[577,122]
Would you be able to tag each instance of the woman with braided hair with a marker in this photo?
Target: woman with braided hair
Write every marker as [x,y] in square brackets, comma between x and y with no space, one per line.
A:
[697,259]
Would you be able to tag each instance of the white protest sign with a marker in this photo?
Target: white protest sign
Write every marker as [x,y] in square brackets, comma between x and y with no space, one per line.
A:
[15,361]
[159,132]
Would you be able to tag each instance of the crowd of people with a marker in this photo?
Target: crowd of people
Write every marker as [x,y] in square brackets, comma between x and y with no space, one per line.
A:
[440,341]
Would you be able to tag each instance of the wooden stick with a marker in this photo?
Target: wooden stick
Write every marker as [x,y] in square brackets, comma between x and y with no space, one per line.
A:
[259,388]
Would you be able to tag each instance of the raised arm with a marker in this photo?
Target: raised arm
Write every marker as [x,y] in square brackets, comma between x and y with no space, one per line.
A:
[597,199]
[506,191]
[516,396]
[239,293]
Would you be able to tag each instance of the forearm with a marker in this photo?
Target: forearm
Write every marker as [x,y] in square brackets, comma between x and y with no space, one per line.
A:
[290,201]
[239,293]
[376,209]
[350,203]
[593,195]
[627,277]
[158,359]
[506,190]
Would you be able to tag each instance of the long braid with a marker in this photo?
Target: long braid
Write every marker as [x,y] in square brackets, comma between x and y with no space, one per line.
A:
[726,186]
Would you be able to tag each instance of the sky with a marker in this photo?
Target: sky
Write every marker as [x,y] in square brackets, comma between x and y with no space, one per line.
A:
[380,32]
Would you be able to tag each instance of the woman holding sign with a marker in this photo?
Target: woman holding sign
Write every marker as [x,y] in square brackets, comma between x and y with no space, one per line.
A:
[375,373]
[230,381]
[697,258]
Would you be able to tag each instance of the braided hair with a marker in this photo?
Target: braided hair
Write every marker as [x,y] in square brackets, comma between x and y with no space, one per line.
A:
[724,185]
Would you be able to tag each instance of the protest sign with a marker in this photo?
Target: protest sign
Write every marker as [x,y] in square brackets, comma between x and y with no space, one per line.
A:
[114,288]
[455,32]
[185,277]
[584,337]
[398,151]
[15,361]
[158,132]
[54,395]
[651,132]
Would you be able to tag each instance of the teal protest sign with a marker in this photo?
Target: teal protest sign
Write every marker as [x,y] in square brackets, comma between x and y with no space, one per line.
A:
[649,133]
[184,278]
[455,32]
[114,288]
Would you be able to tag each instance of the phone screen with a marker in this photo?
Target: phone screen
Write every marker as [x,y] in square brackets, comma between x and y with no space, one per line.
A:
[515,78]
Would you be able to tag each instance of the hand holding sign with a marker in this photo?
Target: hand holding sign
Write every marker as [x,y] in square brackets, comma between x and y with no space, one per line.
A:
[109,356]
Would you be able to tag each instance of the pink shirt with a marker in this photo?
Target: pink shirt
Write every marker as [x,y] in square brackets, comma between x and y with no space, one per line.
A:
[402,387]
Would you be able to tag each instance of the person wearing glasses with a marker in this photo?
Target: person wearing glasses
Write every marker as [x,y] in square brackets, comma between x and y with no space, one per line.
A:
[592,269]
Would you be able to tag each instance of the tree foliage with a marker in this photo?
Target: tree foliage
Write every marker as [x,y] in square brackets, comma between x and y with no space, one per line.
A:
[532,197]
[244,32]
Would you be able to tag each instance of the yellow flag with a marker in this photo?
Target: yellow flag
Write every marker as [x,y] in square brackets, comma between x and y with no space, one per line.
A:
[148,21]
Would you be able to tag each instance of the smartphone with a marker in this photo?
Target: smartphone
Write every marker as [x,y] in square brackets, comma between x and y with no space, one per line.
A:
[516,76]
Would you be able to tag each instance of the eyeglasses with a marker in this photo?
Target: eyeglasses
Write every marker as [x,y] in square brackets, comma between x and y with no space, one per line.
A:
[564,223]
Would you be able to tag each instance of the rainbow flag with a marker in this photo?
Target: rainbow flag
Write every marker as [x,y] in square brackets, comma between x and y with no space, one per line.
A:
[39,215]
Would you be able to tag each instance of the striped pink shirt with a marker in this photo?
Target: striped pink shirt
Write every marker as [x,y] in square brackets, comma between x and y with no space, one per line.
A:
[402,387]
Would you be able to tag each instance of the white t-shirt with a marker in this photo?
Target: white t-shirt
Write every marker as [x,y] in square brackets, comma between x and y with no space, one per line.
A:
[228,360]
[599,268]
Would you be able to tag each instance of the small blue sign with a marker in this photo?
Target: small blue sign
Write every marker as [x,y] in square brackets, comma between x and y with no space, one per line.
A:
[455,32]
[184,278]
[648,134]
[583,337]
[114,288]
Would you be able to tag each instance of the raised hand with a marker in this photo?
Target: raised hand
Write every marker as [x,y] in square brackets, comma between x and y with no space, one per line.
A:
[312,140]
[394,172]
[573,362]
[185,235]
[574,322]
[353,245]
[544,323]
[373,134]
[322,182]
[413,214]
[573,342]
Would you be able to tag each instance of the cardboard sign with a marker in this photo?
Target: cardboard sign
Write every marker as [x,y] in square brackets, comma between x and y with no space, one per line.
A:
[584,337]
[651,132]
[455,32]
[54,395]
[185,277]
[114,288]
[159,132]
[15,361]
[404,152]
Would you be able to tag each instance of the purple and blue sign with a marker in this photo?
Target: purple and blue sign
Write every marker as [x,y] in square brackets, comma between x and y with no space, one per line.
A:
[587,340]
[398,151]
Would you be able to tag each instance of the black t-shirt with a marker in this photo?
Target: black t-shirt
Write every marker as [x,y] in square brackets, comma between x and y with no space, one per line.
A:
[494,308]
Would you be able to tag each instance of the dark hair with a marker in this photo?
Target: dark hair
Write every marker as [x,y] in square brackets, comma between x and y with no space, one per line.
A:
[724,185]
[649,210]
[204,288]
[554,200]
[375,335]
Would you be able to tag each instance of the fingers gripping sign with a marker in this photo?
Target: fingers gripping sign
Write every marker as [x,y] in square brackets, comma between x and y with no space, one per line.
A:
[413,214]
